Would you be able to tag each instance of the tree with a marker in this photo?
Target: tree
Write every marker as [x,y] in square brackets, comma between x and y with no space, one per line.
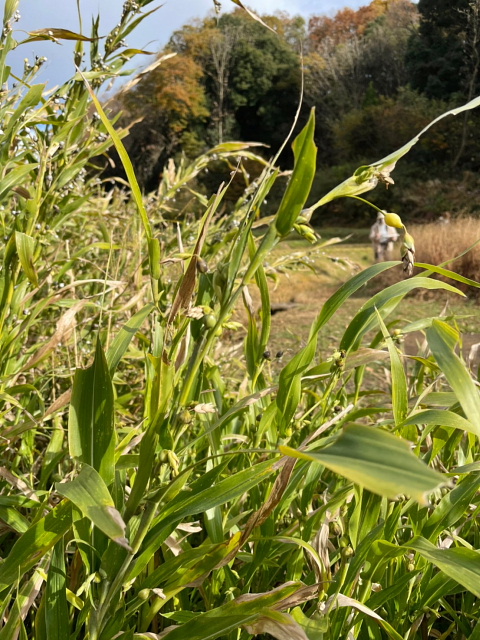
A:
[472,67]
[356,58]
[436,54]
[170,106]
[264,88]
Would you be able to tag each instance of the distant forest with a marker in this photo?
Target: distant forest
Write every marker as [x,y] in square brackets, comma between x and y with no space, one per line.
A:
[376,76]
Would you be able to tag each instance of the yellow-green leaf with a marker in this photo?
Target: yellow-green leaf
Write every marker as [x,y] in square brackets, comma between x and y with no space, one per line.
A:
[376,460]
[25,249]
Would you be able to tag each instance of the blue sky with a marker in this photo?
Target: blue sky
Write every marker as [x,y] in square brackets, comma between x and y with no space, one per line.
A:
[151,35]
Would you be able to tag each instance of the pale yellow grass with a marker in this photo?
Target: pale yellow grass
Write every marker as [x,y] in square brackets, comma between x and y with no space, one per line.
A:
[436,243]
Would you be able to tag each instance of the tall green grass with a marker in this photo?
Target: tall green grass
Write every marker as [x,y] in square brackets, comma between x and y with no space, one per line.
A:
[157,481]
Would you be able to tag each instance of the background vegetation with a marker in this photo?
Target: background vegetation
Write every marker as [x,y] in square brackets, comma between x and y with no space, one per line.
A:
[376,76]
[170,468]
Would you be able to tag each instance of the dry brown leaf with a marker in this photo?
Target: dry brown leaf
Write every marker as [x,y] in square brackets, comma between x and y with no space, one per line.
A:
[19,484]
[303,594]
[279,625]
[187,285]
[65,327]
[206,407]
[59,403]
[253,15]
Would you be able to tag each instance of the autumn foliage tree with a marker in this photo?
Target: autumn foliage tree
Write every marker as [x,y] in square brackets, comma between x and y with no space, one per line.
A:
[364,70]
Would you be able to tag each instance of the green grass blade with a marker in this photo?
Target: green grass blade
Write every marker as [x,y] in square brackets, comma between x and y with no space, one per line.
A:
[399,379]
[91,433]
[196,501]
[120,344]
[448,274]
[56,609]
[127,163]
[90,494]
[35,543]
[366,178]
[296,194]
[15,177]
[459,563]
[441,340]
[25,249]
[230,616]
[347,290]
[388,299]
[451,507]
[376,460]
[14,519]
[289,391]
[442,418]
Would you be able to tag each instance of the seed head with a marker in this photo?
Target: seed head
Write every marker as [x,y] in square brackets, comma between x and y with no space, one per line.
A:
[408,253]
[393,220]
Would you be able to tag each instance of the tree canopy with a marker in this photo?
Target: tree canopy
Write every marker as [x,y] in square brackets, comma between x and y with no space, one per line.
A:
[231,78]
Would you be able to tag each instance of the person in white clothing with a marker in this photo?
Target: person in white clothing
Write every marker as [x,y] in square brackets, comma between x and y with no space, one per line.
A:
[383,238]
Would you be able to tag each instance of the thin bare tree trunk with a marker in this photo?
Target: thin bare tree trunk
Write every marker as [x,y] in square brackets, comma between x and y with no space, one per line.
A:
[472,42]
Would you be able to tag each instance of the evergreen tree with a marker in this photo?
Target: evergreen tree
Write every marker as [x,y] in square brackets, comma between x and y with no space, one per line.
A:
[436,58]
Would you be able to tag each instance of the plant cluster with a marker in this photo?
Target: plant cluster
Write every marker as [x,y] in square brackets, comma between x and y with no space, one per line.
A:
[176,487]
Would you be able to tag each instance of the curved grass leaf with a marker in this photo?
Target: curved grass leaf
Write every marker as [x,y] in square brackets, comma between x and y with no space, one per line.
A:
[366,178]
[289,391]
[232,615]
[451,507]
[387,299]
[376,460]
[199,499]
[90,494]
[54,34]
[447,274]
[15,176]
[35,543]
[298,188]
[442,340]
[459,563]
[442,418]
[121,341]
[127,163]
[399,379]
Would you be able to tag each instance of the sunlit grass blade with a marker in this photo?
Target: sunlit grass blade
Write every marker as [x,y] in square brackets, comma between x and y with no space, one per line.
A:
[387,299]
[366,178]
[91,433]
[125,158]
[56,606]
[459,563]
[376,460]
[25,248]
[399,379]
[121,341]
[451,507]
[296,194]
[31,547]
[232,615]
[289,391]
[442,340]
[442,418]
[198,500]
[90,494]
[448,274]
